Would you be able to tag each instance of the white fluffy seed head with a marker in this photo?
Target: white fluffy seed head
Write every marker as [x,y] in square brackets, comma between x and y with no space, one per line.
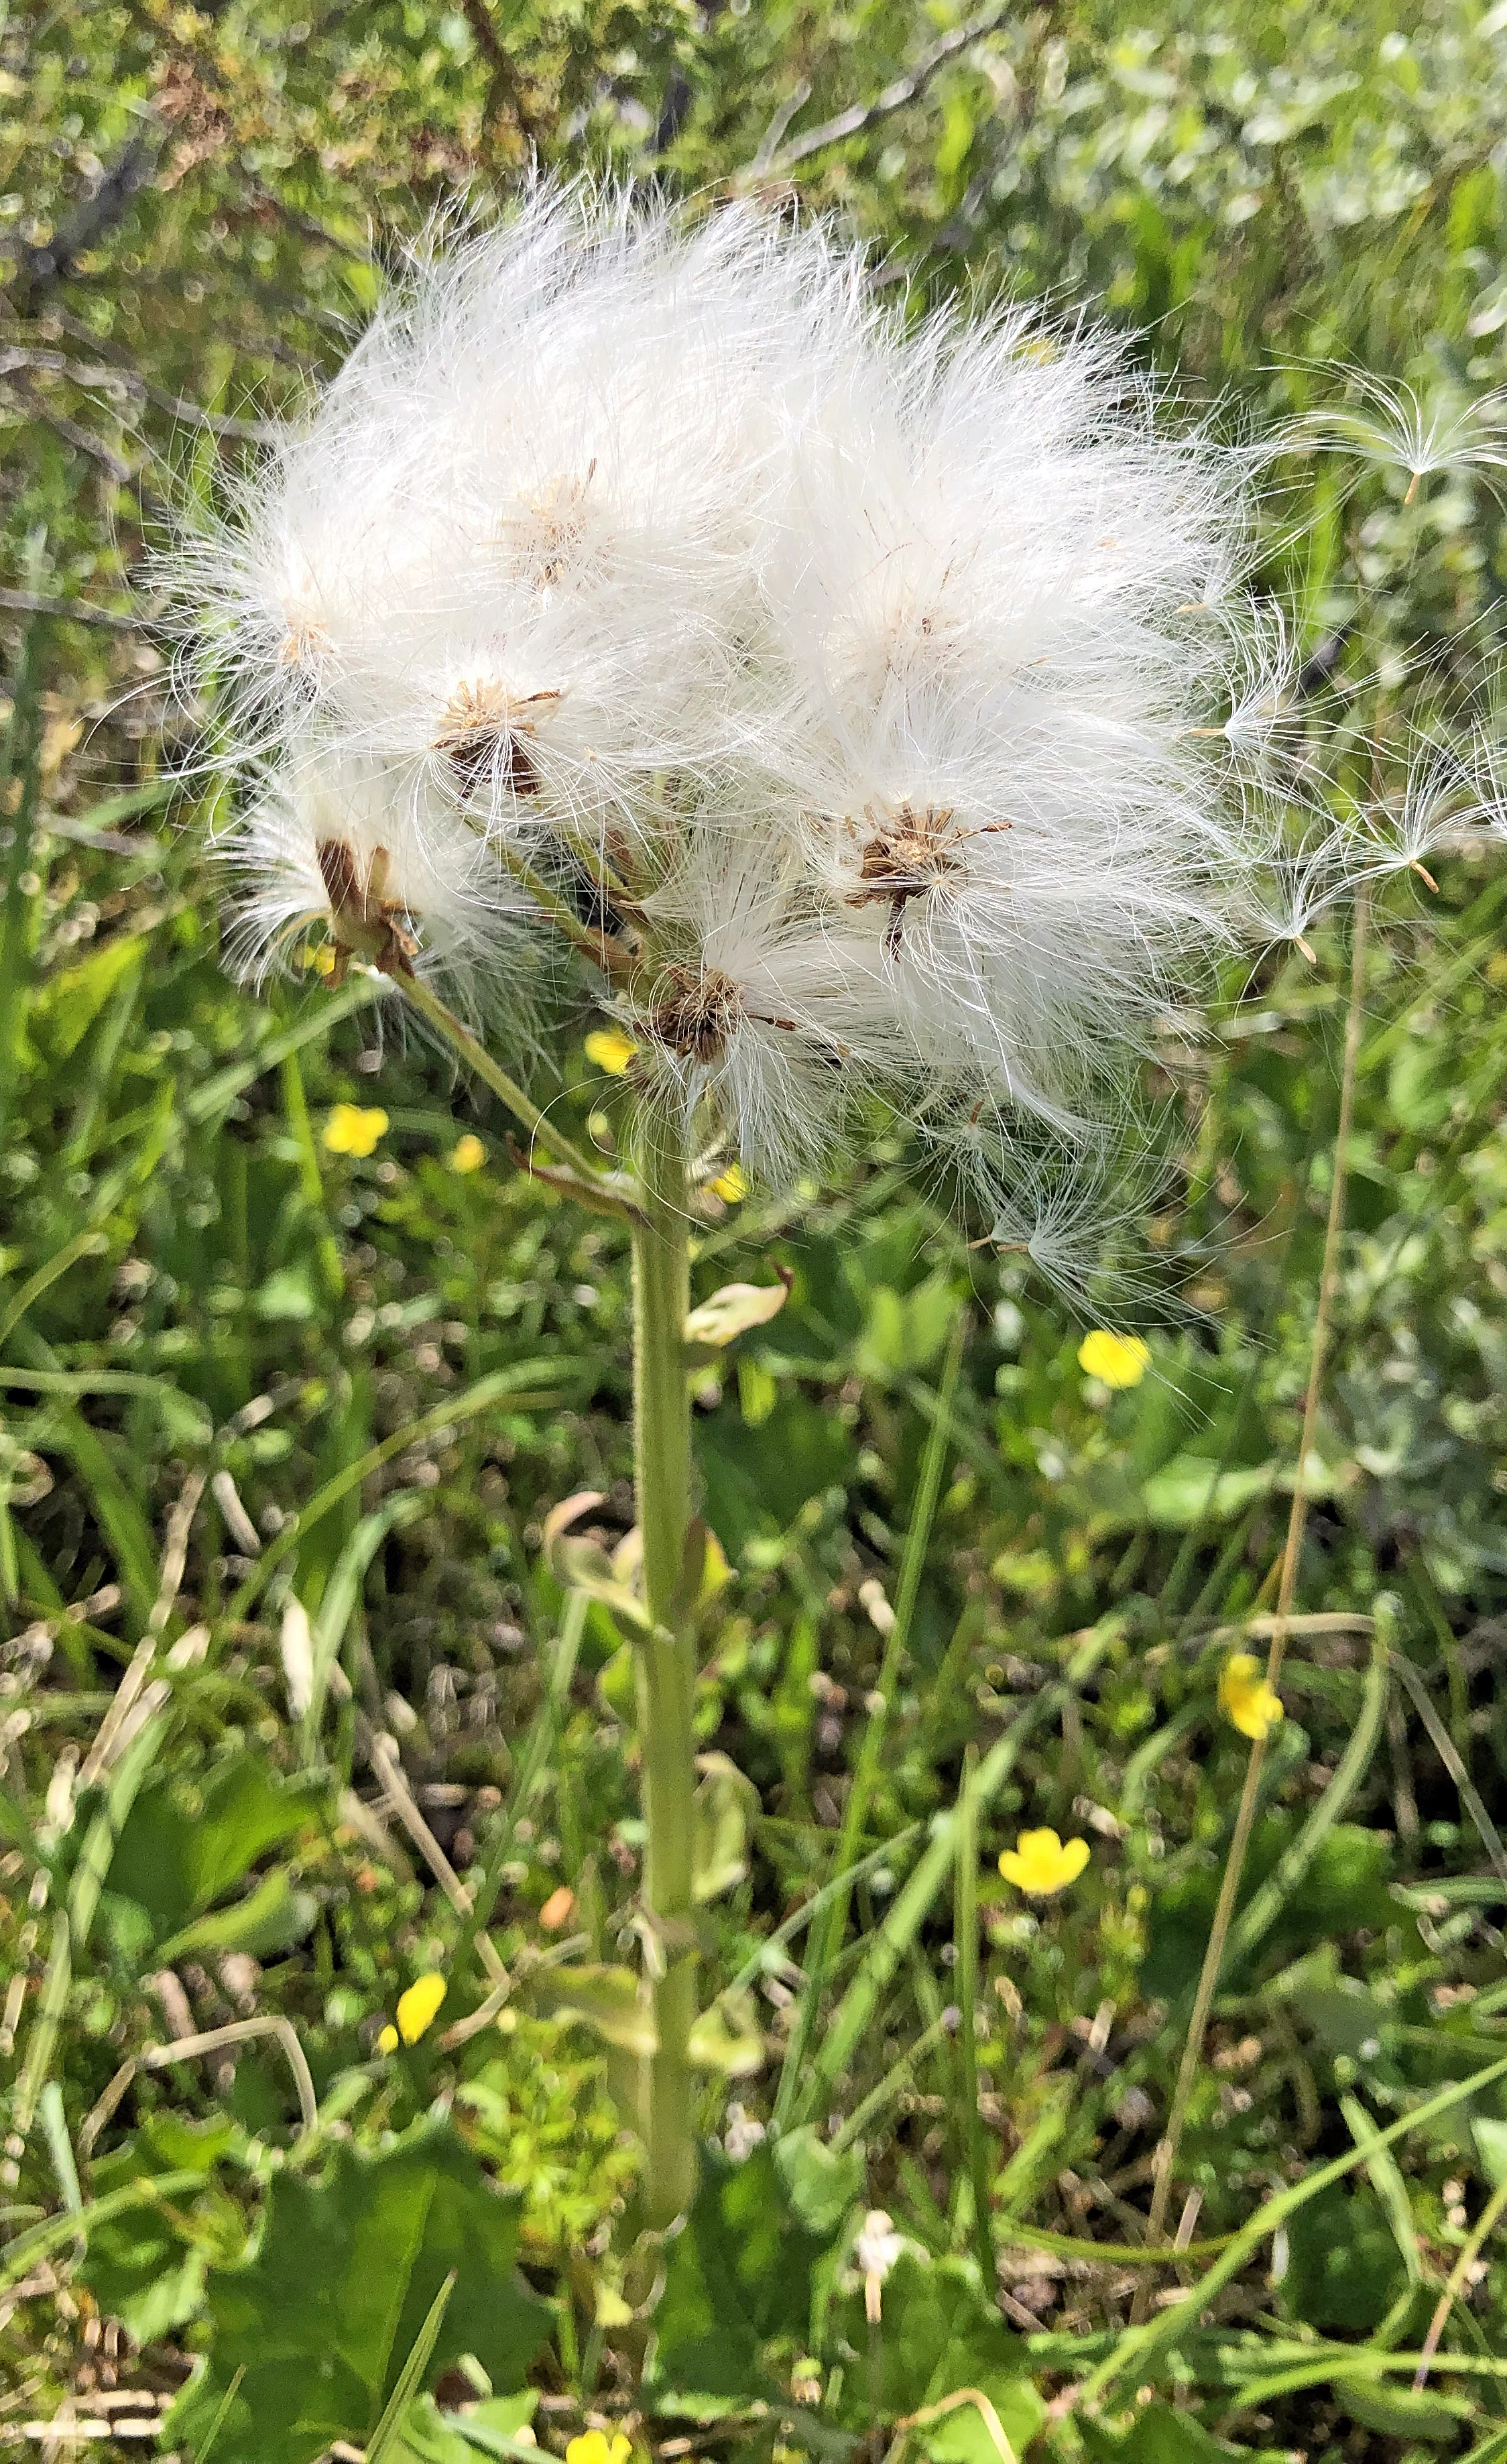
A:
[884,697]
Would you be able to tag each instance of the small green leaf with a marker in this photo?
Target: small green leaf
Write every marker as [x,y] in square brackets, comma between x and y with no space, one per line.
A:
[825,2186]
[1397,2411]
[273,1915]
[725,1803]
[607,2000]
[1491,2144]
[63,1009]
[728,2038]
[288,1296]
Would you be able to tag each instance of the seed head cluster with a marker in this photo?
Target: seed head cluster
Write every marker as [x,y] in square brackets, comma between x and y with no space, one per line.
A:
[850,701]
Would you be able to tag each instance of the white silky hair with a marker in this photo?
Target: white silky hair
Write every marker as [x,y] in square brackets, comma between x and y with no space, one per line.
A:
[892,693]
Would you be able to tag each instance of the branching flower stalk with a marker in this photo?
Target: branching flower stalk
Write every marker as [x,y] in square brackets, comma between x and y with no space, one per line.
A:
[648,620]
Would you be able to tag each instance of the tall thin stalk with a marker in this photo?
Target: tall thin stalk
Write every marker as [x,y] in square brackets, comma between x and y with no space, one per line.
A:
[666,1660]
[1287,1585]
[666,1671]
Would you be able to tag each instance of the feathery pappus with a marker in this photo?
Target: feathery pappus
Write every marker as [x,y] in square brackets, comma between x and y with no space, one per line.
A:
[862,710]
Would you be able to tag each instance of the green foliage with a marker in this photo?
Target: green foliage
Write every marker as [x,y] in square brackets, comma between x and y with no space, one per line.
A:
[737,2281]
[937,2335]
[386,1371]
[321,2319]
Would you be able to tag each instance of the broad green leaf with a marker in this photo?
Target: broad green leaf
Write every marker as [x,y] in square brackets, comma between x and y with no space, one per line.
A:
[430,2437]
[141,2271]
[1161,2434]
[940,2335]
[1190,1489]
[322,2318]
[1343,2270]
[737,2276]
[179,1851]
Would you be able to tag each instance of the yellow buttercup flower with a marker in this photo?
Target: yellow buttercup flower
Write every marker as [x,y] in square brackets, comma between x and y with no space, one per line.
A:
[595,2446]
[1043,1864]
[1245,1698]
[1115,1359]
[418,2007]
[612,1051]
[731,1185]
[354,1129]
[388,2042]
[468,1153]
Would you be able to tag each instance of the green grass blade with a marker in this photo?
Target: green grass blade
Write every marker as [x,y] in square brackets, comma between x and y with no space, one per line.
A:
[965,1937]
[855,1814]
[1265,1905]
[410,2378]
[892,1938]
[1141,2348]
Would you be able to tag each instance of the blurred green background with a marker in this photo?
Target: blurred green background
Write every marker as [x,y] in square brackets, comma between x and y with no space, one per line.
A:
[244,1377]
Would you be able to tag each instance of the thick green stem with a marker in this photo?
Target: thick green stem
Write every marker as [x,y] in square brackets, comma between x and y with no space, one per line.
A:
[666,1660]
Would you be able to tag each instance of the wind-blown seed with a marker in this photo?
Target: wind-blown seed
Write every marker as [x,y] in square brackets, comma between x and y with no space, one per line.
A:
[876,698]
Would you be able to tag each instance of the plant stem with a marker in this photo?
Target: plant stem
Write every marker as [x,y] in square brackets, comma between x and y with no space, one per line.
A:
[475,1055]
[666,1670]
[1250,1793]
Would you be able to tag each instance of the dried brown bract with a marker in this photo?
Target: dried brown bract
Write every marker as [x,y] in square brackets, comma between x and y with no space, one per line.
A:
[365,923]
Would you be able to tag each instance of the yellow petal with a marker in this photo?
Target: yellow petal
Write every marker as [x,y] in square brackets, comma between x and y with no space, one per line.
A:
[594,2447]
[1115,1359]
[611,1050]
[388,2041]
[354,1129]
[1245,1698]
[731,1185]
[468,1153]
[418,2007]
[1041,1864]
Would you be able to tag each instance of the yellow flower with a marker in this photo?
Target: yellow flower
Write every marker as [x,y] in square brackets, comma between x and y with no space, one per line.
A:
[1117,1359]
[468,1153]
[318,957]
[417,2009]
[1245,1698]
[731,1185]
[595,2446]
[354,1129]
[1041,1864]
[612,1051]
[388,2041]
